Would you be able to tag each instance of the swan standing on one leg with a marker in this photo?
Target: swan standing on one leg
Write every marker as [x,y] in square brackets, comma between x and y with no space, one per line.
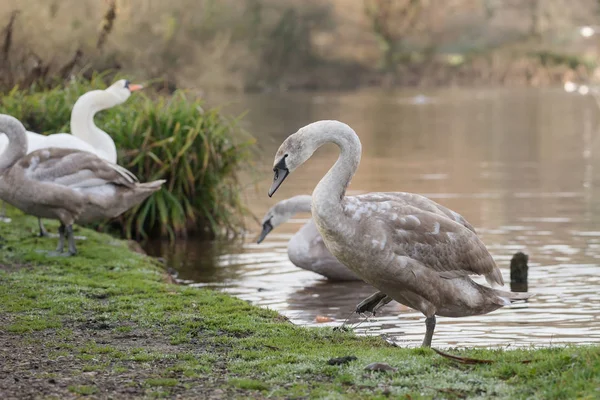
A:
[419,258]
[65,184]
[85,135]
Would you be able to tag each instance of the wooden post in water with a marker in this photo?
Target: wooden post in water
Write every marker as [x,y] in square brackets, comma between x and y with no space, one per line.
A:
[518,272]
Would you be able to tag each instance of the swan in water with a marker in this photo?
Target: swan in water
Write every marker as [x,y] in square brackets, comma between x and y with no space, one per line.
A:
[85,135]
[65,184]
[306,249]
[414,255]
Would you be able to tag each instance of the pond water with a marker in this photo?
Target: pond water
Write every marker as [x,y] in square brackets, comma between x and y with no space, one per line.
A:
[523,166]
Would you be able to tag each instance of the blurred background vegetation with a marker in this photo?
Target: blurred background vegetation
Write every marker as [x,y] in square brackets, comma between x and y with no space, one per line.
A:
[300,44]
[52,51]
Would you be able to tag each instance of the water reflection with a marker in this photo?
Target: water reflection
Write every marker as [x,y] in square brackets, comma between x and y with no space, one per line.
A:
[517,164]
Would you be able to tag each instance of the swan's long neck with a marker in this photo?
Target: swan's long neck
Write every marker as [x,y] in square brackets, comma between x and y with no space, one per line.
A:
[297,204]
[83,126]
[17,141]
[286,209]
[329,193]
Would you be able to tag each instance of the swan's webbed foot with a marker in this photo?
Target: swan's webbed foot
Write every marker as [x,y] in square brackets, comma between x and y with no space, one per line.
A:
[373,303]
[430,326]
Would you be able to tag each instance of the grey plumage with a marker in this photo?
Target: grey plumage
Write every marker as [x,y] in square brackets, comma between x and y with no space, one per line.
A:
[414,250]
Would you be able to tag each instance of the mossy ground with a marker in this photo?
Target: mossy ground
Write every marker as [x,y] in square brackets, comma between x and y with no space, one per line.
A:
[105,323]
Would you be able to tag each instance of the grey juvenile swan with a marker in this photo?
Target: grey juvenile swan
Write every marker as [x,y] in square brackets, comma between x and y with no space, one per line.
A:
[65,184]
[306,249]
[418,257]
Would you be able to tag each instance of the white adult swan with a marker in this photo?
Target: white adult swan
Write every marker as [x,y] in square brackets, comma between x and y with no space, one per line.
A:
[85,135]
[305,249]
[419,258]
[65,184]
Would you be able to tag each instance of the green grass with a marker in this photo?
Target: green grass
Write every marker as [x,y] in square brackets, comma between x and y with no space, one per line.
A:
[198,150]
[194,342]
[248,384]
[83,390]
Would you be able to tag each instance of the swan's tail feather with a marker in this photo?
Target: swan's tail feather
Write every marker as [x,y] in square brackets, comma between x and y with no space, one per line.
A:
[124,172]
[507,298]
[495,277]
[154,185]
[132,197]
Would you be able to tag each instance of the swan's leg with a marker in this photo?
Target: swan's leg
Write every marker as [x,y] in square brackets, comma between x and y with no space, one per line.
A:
[3,216]
[71,239]
[43,231]
[61,238]
[430,325]
[373,303]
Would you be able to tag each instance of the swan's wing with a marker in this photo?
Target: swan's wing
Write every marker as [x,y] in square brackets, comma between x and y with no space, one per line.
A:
[431,238]
[66,141]
[419,202]
[444,246]
[125,172]
[456,217]
[74,169]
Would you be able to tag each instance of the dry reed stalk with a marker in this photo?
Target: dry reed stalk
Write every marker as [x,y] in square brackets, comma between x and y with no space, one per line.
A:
[107,24]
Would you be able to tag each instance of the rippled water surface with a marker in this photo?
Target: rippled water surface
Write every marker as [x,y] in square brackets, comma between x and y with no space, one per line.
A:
[522,166]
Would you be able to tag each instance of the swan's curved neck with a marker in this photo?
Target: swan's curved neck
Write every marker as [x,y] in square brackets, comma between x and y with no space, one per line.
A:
[83,126]
[330,191]
[297,204]
[286,209]
[17,142]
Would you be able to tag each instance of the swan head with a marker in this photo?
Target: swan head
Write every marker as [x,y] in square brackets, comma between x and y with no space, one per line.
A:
[300,146]
[271,219]
[282,212]
[121,90]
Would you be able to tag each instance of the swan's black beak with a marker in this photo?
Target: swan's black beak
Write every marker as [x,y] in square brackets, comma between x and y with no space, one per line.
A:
[267,227]
[281,172]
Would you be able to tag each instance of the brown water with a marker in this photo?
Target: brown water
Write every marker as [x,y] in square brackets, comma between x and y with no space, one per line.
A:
[522,166]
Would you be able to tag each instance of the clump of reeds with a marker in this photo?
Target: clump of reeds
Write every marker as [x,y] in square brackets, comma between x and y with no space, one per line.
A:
[198,151]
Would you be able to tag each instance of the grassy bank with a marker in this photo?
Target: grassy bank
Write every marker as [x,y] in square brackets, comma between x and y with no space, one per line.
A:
[105,322]
[197,149]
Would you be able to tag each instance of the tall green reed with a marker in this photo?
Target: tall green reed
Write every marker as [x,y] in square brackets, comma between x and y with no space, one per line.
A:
[199,151]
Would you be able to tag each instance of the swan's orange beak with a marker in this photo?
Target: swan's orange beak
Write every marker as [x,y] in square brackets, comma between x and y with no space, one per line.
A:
[133,88]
